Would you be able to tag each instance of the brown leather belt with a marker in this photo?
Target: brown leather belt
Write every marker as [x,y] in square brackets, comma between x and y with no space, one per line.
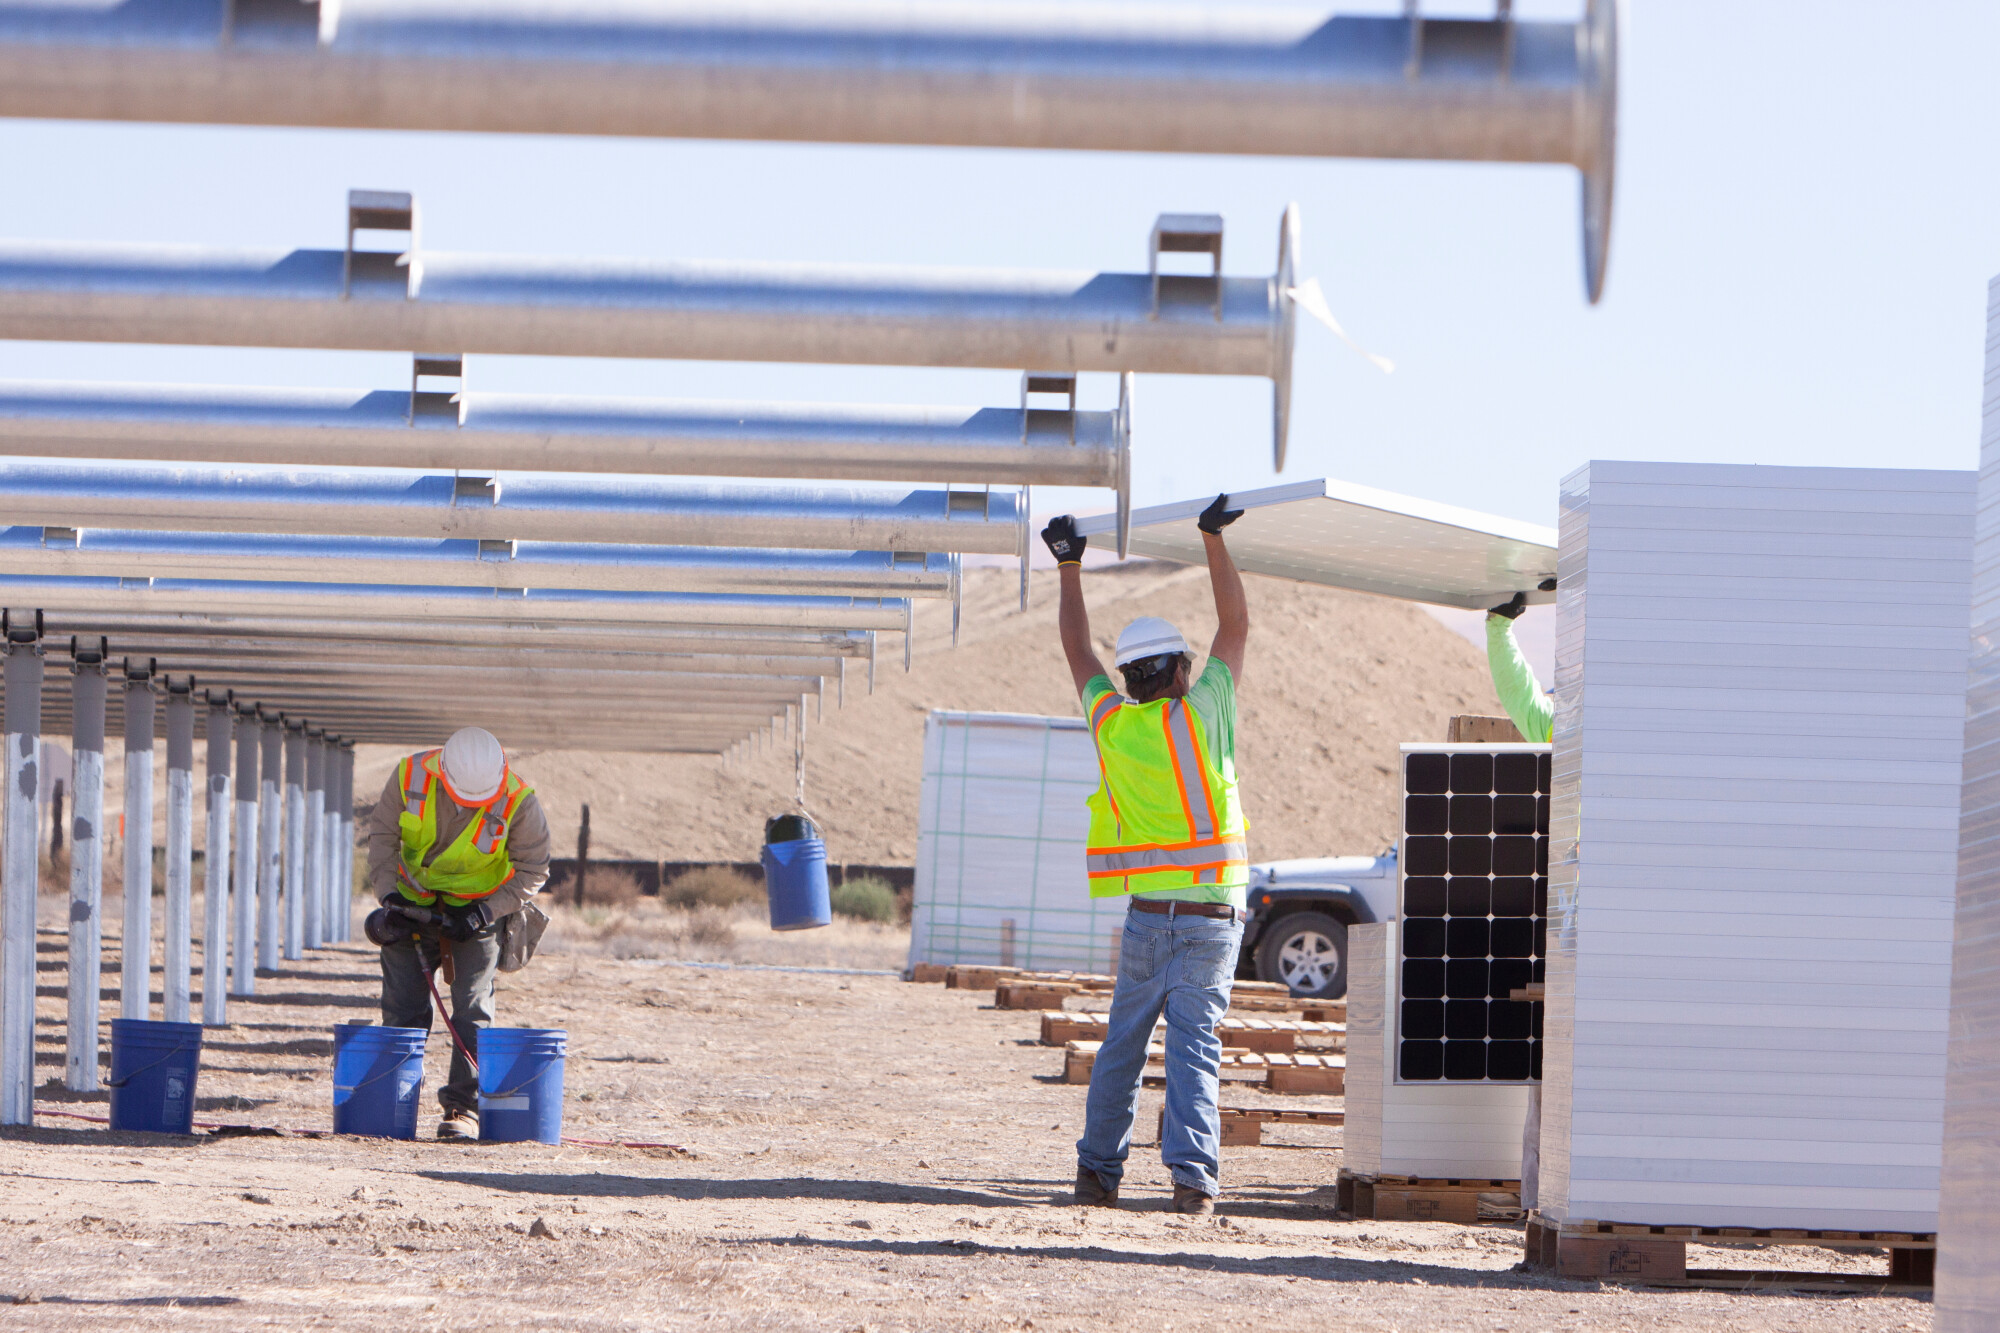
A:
[1220,911]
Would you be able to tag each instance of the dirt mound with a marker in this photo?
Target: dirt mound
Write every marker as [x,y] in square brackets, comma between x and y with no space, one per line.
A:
[1334,681]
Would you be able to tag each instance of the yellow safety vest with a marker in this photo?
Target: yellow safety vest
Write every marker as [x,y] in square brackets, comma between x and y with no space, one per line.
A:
[1165,815]
[476,863]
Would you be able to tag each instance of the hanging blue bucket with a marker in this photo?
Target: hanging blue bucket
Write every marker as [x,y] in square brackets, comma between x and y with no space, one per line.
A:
[378,1078]
[795,874]
[152,1075]
[521,1084]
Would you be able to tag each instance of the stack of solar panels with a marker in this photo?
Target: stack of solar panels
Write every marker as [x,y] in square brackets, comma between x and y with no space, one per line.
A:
[1760,705]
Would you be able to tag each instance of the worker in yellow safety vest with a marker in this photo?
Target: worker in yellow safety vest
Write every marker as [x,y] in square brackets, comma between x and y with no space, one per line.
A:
[456,846]
[1166,827]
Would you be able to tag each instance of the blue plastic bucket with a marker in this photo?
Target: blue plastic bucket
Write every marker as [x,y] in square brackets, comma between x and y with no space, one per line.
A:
[795,882]
[152,1075]
[521,1084]
[378,1079]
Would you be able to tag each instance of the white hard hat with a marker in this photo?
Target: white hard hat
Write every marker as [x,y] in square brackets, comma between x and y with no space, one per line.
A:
[473,764]
[1148,636]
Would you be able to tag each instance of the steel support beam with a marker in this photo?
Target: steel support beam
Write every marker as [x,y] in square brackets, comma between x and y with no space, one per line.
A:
[86,866]
[344,875]
[213,598]
[539,508]
[20,856]
[1211,78]
[135,979]
[455,563]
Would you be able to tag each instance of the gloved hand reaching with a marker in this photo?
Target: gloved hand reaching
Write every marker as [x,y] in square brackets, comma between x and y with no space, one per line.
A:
[1512,608]
[1216,517]
[462,923]
[1063,541]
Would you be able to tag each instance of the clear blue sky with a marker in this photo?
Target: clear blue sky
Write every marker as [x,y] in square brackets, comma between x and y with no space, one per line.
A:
[1808,210]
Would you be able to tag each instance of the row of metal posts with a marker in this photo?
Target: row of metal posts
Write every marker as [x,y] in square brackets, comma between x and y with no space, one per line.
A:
[292,846]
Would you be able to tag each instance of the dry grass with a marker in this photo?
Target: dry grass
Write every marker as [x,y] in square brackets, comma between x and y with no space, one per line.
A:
[705,932]
[606,887]
[712,886]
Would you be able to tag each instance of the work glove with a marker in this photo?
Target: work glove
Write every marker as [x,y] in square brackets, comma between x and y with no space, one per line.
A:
[1064,543]
[1511,608]
[1215,518]
[463,923]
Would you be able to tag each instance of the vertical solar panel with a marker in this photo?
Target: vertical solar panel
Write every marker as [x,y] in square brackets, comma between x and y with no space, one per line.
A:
[1475,866]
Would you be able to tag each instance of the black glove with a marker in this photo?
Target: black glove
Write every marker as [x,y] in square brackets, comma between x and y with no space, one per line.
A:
[1215,518]
[390,924]
[1064,544]
[463,923]
[1511,608]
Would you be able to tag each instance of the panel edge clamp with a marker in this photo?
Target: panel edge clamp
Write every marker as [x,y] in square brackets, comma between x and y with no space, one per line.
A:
[1186,233]
[381,210]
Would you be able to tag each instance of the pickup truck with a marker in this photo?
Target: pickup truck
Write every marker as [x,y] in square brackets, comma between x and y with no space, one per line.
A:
[1296,932]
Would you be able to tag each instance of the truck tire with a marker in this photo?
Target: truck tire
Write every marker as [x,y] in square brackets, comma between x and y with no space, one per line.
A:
[1308,952]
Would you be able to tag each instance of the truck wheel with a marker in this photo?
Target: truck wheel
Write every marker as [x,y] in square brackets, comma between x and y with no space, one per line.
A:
[1306,951]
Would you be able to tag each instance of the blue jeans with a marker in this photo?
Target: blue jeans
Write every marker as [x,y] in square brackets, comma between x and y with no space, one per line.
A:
[1183,965]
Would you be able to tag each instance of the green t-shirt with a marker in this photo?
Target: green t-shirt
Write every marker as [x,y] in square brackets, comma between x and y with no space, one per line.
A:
[1213,698]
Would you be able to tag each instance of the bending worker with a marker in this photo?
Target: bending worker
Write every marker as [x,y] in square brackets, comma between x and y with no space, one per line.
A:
[1165,827]
[456,844]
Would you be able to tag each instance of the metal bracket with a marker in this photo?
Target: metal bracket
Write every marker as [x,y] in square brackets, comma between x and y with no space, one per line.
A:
[13,631]
[380,210]
[218,698]
[1121,426]
[84,653]
[54,539]
[435,402]
[1048,383]
[1413,62]
[139,674]
[267,23]
[474,490]
[496,548]
[185,687]
[1503,14]
[1185,234]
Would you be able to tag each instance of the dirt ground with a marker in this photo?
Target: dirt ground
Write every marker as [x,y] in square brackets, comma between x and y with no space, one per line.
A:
[854,1152]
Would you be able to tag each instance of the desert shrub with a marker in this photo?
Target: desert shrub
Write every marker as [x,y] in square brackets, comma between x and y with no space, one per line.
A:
[711,886]
[603,886]
[866,899]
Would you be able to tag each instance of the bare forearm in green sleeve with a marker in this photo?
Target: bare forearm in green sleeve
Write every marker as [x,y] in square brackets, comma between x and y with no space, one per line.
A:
[1514,681]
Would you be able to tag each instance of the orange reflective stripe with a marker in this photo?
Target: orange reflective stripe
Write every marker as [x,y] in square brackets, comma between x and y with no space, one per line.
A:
[1105,706]
[1200,767]
[1180,778]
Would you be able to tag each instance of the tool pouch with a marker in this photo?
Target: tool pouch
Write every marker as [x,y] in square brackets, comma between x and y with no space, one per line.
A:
[520,932]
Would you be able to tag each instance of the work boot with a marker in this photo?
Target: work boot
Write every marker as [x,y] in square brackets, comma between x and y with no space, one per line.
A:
[1090,1191]
[1189,1200]
[458,1127]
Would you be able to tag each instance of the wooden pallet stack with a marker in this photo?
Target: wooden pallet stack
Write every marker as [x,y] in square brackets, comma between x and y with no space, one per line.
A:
[1060,1027]
[1243,1126]
[1620,1252]
[1277,1071]
[1394,1198]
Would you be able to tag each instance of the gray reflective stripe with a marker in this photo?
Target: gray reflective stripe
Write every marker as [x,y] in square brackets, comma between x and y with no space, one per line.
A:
[1139,859]
[1188,760]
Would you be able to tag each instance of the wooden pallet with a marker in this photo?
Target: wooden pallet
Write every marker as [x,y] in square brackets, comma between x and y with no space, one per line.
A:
[926,972]
[1059,1028]
[1243,1126]
[1633,1252]
[1396,1198]
[1278,1071]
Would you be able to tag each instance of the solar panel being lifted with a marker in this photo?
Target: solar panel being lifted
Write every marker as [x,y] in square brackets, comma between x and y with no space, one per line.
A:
[1474,916]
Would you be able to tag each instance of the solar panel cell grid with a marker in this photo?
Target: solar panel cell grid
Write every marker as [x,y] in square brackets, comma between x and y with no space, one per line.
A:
[1475,890]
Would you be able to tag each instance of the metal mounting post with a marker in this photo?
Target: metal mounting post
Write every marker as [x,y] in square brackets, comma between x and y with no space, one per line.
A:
[178,976]
[86,862]
[19,871]
[215,865]
[1187,234]
[344,876]
[380,210]
[245,851]
[295,839]
[329,840]
[135,972]
[315,819]
[270,840]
